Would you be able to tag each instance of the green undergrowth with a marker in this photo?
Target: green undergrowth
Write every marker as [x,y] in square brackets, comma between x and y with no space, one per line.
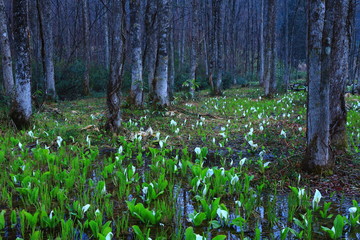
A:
[212,168]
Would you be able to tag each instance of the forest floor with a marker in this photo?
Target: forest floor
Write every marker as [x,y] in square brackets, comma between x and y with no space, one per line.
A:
[230,132]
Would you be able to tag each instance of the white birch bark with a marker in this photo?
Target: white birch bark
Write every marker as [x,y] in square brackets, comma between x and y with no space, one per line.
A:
[6,53]
[161,96]
[21,105]
[136,93]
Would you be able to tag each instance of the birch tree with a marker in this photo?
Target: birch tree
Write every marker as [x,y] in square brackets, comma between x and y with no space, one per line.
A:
[113,99]
[86,47]
[160,82]
[270,67]
[339,74]
[136,93]
[45,24]
[317,157]
[21,111]
[6,53]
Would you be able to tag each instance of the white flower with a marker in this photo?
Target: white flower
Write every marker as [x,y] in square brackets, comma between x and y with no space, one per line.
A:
[252,144]
[209,172]
[222,134]
[88,140]
[199,237]
[20,145]
[59,140]
[300,129]
[177,130]
[223,214]
[97,212]
[266,164]
[31,134]
[301,192]
[283,133]
[261,128]
[317,198]
[213,140]
[85,208]
[161,144]
[109,236]
[173,123]
[51,214]
[242,161]
[120,150]
[234,180]
[238,203]
[145,190]
[353,209]
[197,150]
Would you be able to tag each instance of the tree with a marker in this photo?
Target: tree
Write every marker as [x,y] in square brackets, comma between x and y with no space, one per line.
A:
[318,157]
[117,59]
[339,73]
[160,82]
[136,93]
[46,36]
[21,111]
[86,47]
[270,67]
[194,48]
[6,53]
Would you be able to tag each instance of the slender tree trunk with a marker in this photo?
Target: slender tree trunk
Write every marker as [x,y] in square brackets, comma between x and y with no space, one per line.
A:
[194,47]
[270,78]
[45,23]
[317,157]
[286,48]
[106,38]
[220,49]
[150,50]
[136,93]
[116,66]
[21,105]
[86,30]
[6,53]
[339,75]
[171,74]
[160,83]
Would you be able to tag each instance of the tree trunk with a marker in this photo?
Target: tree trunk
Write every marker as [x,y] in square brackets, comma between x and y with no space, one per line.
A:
[220,49]
[286,48]
[160,83]
[45,23]
[106,38]
[194,47]
[339,74]
[136,93]
[86,48]
[317,157]
[6,53]
[150,50]
[270,78]
[117,59]
[21,105]
[171,74]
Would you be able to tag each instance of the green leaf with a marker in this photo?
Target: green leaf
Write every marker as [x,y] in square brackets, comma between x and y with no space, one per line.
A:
[189,234]
[219,237]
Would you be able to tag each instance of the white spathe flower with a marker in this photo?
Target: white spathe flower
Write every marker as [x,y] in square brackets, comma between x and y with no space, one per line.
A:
[85,208]
[109,236]
[238,203]
[51,214]
[234,180]
[199,237]
[145,190]
[197,150]
[31,134]
[177,130]
[97,212]
[317,198]
[120,150]
[222,134]
[161,144]
[210,172]
[261,128]
[88,140]
[223,214]
[301,192]
[242,161]
[103,191]
[20,145]
[283,133]
[59,140]
[252,144]
[266,164]
[353,210]
[173,123]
